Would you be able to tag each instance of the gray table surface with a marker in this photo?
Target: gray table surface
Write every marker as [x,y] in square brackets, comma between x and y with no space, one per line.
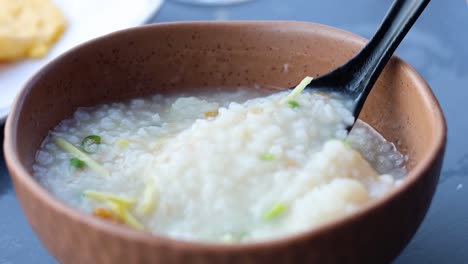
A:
[437,47]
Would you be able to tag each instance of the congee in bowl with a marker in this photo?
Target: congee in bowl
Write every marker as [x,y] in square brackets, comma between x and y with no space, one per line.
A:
[131,128]
[225,166]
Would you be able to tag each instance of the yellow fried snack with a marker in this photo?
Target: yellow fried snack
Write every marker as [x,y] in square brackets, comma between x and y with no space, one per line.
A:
[28,28]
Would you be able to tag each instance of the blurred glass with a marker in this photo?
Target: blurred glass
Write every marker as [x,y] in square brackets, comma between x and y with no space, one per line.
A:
[211,2]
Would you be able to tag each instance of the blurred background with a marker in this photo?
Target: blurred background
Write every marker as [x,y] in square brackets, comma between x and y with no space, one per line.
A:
[436,46]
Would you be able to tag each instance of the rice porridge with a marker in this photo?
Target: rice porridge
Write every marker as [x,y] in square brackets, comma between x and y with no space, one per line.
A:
[222,167]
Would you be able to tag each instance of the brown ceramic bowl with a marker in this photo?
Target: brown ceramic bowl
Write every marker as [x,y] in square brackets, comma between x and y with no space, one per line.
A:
[165,58]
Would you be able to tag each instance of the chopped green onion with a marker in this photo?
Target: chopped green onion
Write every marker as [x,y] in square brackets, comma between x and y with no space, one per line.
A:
[90,162]
[105,197]
[90,143]
[125,215]
[274,212]
[233,237]
[122,143]
[118,205]
[293,104]
[77,163]
[149,200]
[346,143]
[228,238]
[267,156]
[131,220]
[301,86]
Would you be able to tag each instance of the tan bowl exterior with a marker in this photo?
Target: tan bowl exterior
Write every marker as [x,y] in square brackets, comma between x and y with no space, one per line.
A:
[171,57]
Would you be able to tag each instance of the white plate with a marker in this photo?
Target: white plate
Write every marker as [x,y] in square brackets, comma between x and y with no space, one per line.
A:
[86,19]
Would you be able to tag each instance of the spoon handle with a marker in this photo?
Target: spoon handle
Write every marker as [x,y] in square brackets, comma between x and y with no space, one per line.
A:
[372,59]
[359,74]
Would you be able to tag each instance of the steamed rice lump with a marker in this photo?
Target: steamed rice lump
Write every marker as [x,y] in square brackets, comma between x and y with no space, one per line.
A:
[209,168]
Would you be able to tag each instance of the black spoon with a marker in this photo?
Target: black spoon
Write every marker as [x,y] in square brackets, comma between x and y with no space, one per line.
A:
[356,77]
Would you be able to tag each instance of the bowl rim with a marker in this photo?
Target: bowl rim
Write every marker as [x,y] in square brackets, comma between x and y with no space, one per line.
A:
[20,173]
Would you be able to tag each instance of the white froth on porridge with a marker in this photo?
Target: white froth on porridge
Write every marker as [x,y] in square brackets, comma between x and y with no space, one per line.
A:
[219,167]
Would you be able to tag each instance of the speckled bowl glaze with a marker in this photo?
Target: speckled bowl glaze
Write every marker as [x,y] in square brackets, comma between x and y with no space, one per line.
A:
[165,58]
